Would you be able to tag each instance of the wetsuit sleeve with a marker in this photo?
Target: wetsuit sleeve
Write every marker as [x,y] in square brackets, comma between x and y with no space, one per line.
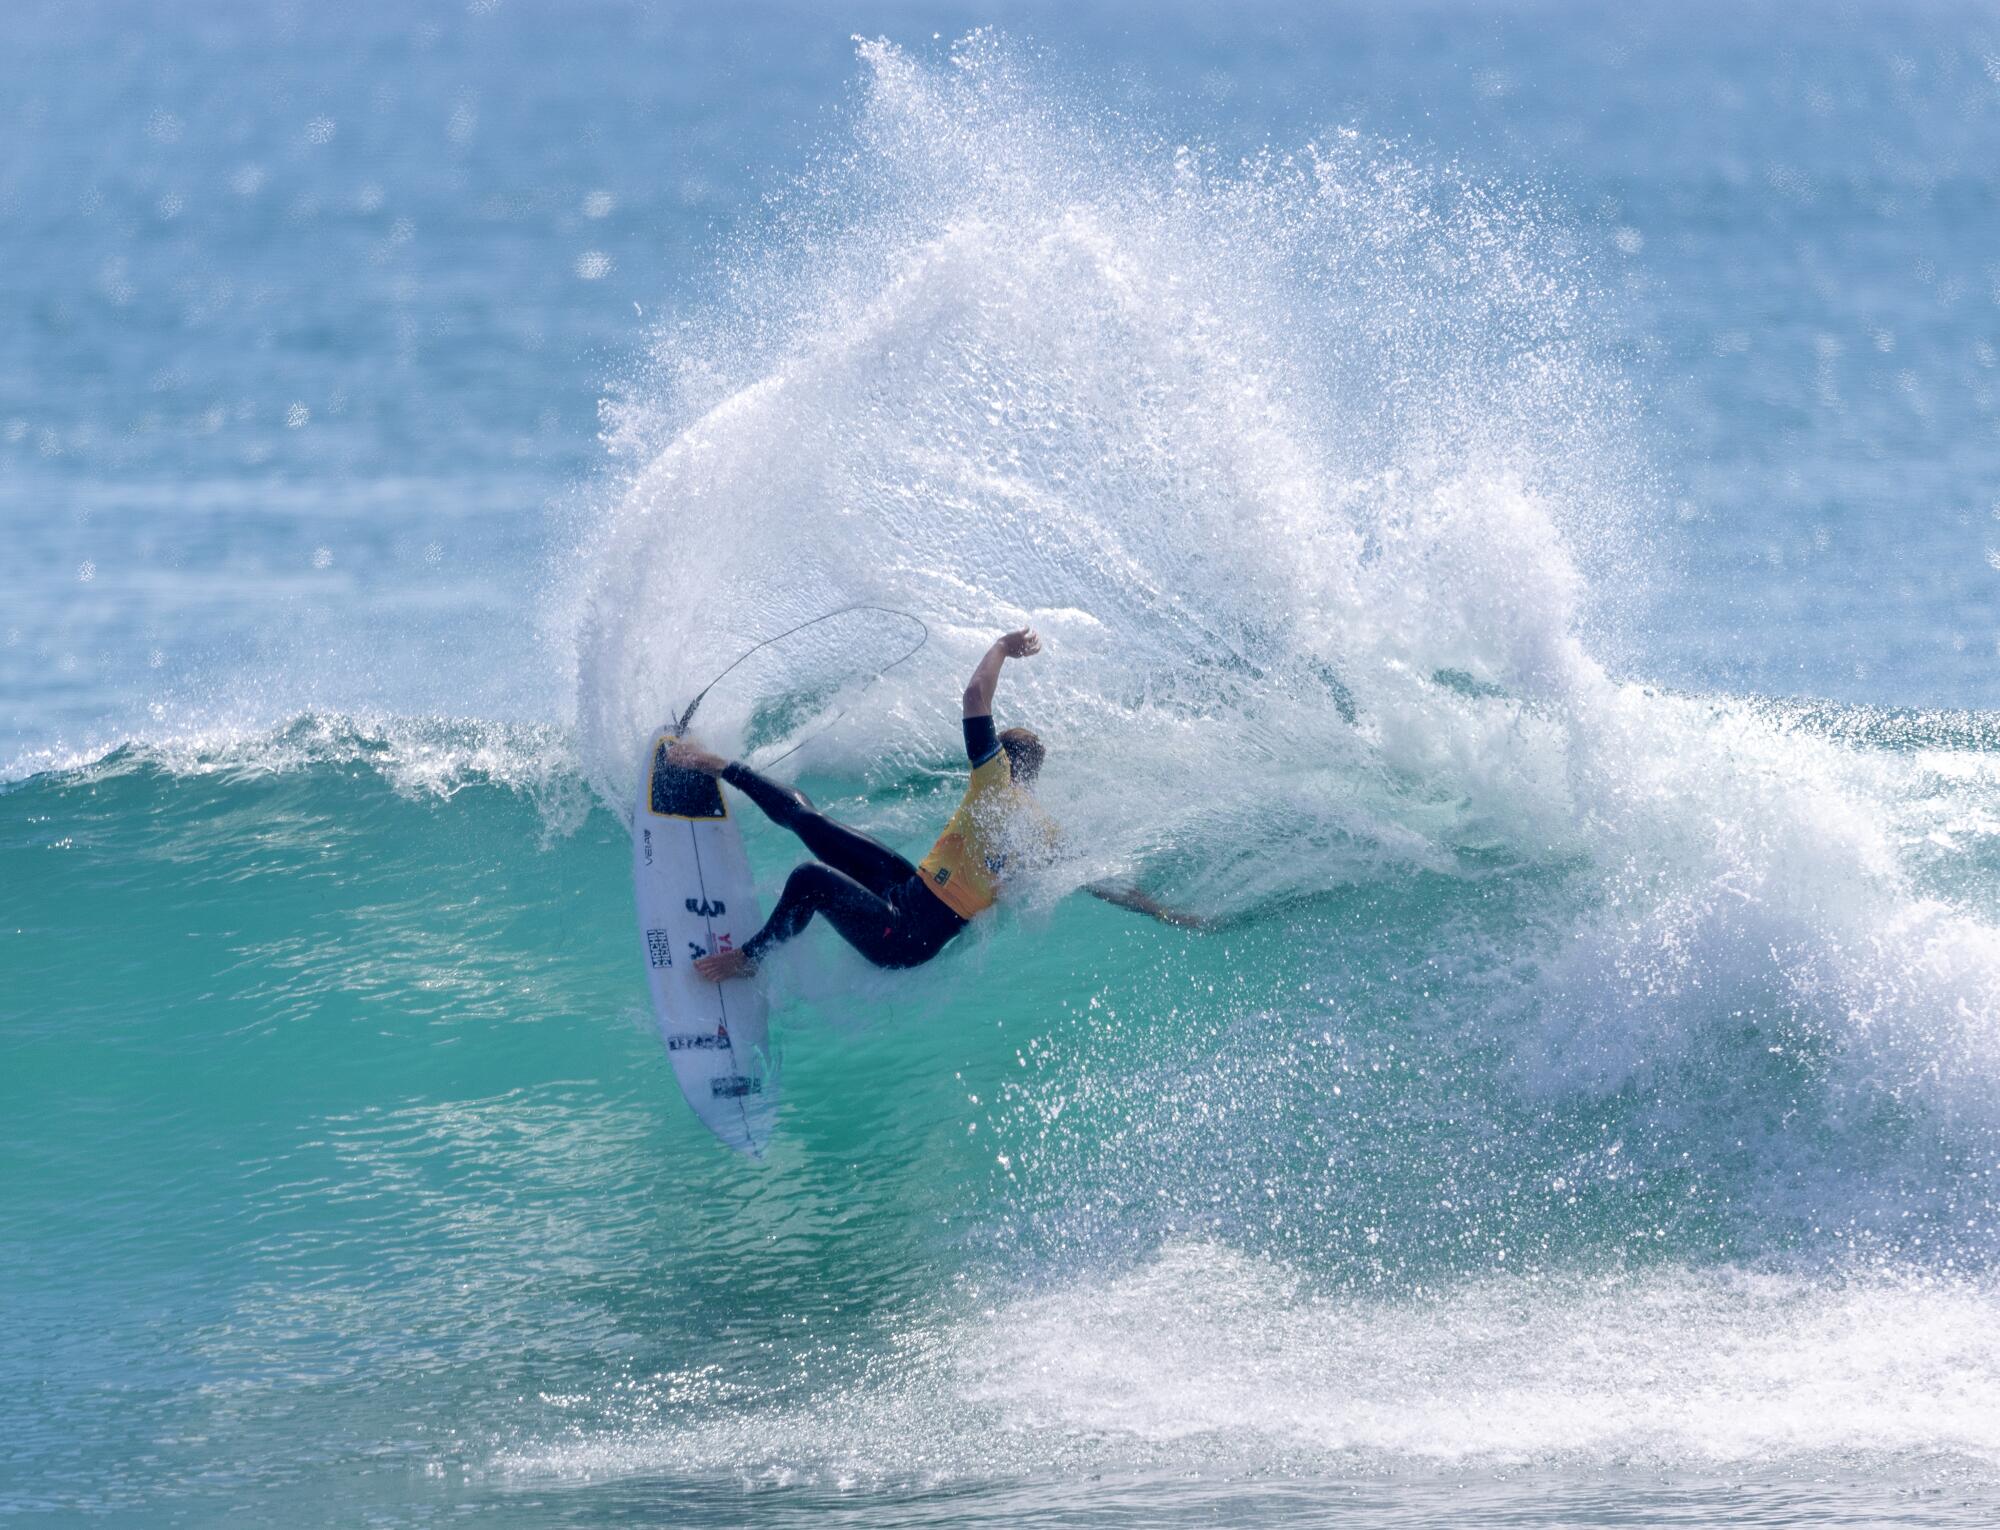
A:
[981,742]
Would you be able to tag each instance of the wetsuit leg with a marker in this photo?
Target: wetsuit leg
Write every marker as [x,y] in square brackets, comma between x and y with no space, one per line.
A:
[868,861]
[865,920]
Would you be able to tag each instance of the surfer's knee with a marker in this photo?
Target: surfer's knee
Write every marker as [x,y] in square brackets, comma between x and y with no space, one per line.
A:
[810,882]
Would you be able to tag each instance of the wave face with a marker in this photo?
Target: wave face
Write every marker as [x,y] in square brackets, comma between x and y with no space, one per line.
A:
[1581,1078]
[326,1054]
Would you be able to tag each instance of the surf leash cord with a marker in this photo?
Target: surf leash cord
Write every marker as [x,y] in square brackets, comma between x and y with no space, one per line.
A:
[924,635]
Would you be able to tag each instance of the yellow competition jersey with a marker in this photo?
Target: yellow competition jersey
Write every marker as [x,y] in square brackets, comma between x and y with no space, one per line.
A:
[996,823]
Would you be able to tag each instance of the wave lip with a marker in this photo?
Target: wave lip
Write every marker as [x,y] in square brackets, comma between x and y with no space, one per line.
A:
[417,756]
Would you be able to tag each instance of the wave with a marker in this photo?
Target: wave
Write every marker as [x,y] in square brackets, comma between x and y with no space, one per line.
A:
[1428,1063]
[1310,473]
[1295,1198]
[1313,475]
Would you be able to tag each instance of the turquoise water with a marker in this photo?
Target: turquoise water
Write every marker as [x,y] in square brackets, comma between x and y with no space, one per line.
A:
[1510,504]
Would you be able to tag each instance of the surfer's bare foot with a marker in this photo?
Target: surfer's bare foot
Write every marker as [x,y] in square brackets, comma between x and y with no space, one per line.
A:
[694,757]
[723,966]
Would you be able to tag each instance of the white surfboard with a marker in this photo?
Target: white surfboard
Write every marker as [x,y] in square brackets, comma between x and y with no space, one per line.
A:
[692,882]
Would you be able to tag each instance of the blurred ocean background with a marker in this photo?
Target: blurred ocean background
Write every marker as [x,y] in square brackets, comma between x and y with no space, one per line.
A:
[1512,497]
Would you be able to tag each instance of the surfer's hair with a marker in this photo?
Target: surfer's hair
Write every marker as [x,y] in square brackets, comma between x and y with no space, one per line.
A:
[1024,753]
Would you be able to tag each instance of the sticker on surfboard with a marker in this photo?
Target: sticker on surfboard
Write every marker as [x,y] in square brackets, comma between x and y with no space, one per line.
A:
[691,880]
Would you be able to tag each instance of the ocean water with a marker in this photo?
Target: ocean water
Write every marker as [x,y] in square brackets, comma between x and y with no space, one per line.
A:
[1512,501]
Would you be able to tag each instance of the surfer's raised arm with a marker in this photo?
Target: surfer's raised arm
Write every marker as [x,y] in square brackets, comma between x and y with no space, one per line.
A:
[1019,644]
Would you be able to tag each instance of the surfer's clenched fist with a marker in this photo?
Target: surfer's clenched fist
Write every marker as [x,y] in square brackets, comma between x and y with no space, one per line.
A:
[1021,643]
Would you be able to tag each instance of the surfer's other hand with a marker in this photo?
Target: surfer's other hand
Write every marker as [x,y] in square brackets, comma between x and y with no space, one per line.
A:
[723,966]
[1021,643]
[693,757]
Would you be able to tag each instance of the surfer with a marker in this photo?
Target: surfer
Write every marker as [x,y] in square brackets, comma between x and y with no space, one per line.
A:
[893,913]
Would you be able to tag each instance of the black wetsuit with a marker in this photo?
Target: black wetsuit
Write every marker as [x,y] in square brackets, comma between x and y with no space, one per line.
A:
[871,895]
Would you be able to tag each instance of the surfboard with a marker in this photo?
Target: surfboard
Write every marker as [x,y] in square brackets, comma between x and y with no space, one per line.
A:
[691,880]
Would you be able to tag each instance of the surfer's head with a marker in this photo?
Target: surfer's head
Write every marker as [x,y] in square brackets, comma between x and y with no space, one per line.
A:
[1024,754]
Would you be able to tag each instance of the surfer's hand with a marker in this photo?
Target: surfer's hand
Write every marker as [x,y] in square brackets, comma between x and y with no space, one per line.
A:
[723,966]
[986,678]
[693,757]
[1120,895]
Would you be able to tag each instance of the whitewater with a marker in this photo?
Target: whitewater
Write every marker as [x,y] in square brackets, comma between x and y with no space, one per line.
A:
[1584,1103]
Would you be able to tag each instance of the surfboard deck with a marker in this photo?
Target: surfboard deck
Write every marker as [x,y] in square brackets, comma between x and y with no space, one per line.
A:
[691,880]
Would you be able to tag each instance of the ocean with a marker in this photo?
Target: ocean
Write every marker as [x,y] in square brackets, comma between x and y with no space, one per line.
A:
[1511,499]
